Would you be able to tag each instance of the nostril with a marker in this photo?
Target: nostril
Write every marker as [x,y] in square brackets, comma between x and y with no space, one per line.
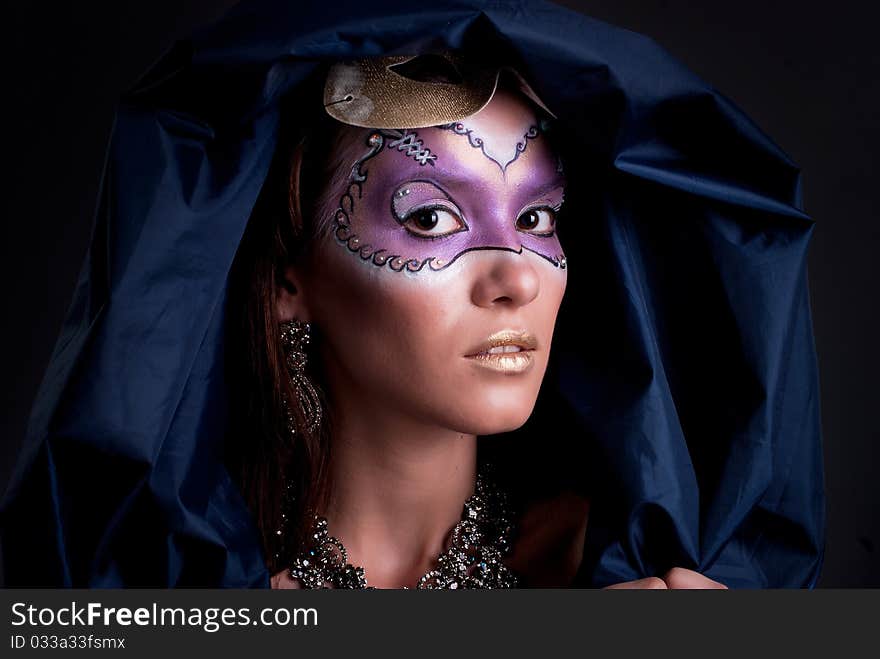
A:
[503,298]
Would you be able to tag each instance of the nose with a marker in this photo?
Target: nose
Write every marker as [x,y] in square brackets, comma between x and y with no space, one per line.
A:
[509,279]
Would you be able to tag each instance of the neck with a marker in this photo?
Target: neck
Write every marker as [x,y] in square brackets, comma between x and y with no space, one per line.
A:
[398,487]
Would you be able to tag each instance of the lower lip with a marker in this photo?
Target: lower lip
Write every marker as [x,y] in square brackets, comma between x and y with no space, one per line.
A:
[505,362]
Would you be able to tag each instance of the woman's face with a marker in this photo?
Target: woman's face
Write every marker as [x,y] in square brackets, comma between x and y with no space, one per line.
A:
[444,247]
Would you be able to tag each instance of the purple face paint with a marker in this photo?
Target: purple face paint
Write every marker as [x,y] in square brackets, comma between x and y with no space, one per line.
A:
[424,198]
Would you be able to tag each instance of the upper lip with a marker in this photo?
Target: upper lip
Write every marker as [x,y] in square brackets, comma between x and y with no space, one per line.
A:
[508,337]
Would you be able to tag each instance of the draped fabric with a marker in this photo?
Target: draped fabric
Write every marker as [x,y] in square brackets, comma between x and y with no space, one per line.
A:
[682,392]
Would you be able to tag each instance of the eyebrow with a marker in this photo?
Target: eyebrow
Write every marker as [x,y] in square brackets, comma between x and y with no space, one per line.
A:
[450,183]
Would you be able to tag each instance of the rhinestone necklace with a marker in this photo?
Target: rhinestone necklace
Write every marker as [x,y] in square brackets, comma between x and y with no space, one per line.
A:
[479,541]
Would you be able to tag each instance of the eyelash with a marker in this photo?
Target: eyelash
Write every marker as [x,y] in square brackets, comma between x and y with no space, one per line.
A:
[553,209]
[434,207]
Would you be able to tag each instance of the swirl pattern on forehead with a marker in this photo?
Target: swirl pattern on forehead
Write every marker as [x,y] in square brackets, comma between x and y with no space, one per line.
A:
[479,143]
[407,143]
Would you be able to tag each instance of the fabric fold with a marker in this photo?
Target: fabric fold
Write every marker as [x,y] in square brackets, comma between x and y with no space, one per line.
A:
[683,362]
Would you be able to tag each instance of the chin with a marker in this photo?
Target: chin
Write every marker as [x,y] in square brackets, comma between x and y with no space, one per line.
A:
[498,421]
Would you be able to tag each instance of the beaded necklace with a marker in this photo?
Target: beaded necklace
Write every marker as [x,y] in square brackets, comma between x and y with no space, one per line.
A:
[478,543]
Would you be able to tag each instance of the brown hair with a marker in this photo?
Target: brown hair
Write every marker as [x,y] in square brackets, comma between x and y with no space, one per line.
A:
[293,210]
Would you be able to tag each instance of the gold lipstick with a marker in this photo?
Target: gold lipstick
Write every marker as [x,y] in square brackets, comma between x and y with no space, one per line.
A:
[507,351]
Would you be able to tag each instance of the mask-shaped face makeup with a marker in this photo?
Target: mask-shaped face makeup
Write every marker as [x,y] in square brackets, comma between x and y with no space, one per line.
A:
[419,199]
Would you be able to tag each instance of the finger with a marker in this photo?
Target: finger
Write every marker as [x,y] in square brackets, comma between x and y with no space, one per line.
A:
[679,578]
[651,583]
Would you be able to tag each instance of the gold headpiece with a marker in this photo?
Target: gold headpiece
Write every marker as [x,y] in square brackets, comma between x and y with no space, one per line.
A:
[414,91]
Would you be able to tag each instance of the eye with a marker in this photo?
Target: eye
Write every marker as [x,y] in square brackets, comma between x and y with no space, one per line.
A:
[433,222]
[539,221]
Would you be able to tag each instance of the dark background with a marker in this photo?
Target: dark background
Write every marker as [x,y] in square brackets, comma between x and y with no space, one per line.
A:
[808,75]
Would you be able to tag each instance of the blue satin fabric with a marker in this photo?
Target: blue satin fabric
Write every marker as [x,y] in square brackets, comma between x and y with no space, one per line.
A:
[682,392]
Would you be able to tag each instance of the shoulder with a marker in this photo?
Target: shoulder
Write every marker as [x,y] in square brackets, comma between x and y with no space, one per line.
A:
[549,545]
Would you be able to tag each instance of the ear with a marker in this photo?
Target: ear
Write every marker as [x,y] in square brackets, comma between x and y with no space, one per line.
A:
[290,302]
[293,190]
[290,298]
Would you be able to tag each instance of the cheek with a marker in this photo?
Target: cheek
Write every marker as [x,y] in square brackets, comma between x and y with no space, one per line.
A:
[400,338]
[556,286]
[378,320]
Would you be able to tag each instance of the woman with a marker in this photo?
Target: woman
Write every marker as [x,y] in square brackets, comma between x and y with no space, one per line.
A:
[405,351]
[434,270]
[680,393]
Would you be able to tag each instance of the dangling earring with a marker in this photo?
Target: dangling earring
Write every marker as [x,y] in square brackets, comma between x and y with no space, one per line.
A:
[295,336]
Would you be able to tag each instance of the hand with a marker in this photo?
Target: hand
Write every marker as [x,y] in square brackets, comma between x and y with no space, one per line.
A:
[677,578]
